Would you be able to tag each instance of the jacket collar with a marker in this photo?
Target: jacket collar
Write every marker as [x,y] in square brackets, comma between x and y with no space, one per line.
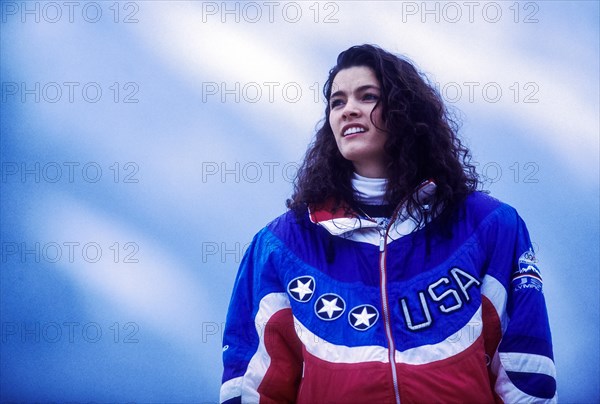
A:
[344,219]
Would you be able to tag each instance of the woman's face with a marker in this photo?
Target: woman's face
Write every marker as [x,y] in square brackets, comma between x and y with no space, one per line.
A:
[354,93]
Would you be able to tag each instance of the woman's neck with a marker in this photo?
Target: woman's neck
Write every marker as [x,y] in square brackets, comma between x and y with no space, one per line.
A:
[369,191]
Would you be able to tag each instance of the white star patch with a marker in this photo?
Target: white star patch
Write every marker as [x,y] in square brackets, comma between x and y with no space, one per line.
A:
[329,307]
[301,289]
[363,317]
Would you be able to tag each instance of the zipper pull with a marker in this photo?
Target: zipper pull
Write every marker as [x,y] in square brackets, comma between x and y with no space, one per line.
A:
[381,242]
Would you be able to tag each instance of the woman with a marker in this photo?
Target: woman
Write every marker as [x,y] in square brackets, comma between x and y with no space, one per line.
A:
[390,279]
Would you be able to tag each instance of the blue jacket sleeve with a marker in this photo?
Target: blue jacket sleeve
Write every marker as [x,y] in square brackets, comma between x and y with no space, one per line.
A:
[523,363]
[261,351]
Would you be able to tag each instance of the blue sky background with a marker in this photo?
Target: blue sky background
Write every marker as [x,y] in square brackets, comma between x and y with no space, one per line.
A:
[144,143]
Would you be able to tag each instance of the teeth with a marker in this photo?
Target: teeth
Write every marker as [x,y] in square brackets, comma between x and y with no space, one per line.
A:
[353,130]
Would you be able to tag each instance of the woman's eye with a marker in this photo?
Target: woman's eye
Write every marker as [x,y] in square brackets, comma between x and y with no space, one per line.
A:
[370,97]
[335,103]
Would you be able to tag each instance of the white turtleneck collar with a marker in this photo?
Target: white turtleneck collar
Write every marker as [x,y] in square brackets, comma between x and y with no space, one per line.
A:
[369,191]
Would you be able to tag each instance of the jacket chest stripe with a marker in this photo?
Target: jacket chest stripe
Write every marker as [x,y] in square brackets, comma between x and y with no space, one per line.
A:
[495,292]
[452,345]
[331,352]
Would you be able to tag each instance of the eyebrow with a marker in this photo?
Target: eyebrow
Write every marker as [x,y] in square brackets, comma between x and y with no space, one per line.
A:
[358,90]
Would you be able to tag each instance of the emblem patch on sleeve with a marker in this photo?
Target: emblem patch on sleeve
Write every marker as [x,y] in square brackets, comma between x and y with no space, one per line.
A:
[528,275]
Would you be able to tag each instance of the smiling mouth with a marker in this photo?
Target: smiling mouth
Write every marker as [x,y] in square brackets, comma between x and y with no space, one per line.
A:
[353,130]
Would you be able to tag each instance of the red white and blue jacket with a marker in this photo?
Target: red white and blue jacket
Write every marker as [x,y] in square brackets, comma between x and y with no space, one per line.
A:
[333,308]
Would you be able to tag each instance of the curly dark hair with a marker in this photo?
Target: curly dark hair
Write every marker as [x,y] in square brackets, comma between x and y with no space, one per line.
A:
[422,142]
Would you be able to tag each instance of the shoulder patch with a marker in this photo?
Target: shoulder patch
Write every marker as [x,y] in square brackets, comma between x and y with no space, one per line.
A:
[528,275]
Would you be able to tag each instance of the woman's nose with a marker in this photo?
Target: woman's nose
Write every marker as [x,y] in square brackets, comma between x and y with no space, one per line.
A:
[350,109]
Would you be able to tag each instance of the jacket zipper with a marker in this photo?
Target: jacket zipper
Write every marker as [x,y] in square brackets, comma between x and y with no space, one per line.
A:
[386,313]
